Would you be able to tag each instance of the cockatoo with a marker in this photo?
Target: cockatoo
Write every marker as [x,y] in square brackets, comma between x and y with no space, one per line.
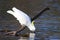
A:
[23,18]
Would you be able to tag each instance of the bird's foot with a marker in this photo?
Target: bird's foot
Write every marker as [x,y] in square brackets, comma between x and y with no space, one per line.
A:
[11,33]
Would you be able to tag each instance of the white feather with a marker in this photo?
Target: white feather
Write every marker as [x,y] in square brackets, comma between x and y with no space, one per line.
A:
[23,18]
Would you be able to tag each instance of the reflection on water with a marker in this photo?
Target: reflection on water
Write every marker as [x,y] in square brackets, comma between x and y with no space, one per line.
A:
[31,37]
[22,38]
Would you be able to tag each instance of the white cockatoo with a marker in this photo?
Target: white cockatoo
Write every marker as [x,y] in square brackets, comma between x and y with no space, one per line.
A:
[22,17]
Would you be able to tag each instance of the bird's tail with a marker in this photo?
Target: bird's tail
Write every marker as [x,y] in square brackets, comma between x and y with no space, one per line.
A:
[15,9]
[10,12]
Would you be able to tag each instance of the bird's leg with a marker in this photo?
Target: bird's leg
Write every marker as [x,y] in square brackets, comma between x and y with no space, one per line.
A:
[11,33]
[22,28]
[16,32]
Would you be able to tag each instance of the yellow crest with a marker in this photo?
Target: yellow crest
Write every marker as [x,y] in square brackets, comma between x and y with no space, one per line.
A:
[32,22]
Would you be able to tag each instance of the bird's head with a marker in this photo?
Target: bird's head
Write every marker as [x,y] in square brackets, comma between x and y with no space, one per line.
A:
[32,23]
[32,27]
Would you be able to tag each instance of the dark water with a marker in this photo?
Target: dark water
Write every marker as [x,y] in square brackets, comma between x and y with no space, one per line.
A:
[32,36]
[47,25]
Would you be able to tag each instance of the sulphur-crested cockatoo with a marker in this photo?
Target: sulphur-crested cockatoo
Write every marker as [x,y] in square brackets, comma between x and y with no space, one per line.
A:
[22,17]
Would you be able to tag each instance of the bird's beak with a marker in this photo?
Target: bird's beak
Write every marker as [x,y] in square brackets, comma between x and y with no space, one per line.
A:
[32,27]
